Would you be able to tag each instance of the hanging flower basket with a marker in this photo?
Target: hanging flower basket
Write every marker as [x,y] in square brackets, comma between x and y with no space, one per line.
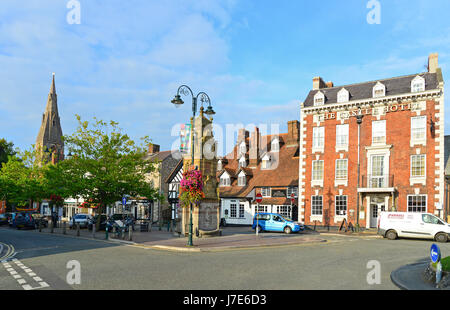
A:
[191,188]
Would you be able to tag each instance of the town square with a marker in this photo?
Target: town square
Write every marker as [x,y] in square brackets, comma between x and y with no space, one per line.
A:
[226,146]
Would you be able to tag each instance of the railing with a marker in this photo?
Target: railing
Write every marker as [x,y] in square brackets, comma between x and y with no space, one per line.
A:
[371,181]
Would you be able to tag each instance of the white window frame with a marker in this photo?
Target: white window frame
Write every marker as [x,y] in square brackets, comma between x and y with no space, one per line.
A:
[292,190]
[314,180]
[234,207]
[242,162]
[418,125]
[285,211]
[339,176]
[225,181]
[266,164]
[418,84]
[275,145]
[379,86]
[335,206]
[319,99]
[242,179]
[266,192]
[376,130]
[342,132]
[315,206]
[318,139]
[407,203]
[343,96]
[418,179]
[241,210]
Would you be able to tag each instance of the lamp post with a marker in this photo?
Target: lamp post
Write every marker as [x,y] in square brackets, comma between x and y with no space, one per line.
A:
[359,119]
[177,101]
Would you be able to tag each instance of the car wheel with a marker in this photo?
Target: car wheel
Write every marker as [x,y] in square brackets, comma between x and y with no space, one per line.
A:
[391,235]
[441,237]
[287,230]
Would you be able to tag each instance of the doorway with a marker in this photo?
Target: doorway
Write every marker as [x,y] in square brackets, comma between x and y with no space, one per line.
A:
[375,209]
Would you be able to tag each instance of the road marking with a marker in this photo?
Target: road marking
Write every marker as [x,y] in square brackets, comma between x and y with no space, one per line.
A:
[29,272]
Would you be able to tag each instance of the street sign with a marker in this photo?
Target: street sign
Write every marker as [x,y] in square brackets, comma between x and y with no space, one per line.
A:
[124,200]
[259,198]
[293,198]
[435,253]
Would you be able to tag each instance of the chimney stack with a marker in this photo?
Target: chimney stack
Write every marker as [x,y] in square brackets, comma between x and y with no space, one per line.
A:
[318,83]
[255,143]
[329,84]
[293,138]
[242,135]
[433,62]
[153,148]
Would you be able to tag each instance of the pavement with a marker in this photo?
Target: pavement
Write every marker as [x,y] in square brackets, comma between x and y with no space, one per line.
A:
[232,238]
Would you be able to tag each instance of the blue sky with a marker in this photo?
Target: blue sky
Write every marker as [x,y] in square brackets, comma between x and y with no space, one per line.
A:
[255,58]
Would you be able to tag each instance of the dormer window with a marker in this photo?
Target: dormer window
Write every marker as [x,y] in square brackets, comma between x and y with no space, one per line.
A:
[275,147]
[225,180]
[379,90]
[343,95]
[242,179]
[266,162]
[319,99]
[418,84]
[243,148]
[242,162]
[219,165]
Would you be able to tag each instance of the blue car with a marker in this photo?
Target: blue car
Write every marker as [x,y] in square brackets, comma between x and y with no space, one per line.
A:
[275,222]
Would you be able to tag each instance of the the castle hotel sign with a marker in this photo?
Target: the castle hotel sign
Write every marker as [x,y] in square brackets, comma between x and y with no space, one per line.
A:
[412,106]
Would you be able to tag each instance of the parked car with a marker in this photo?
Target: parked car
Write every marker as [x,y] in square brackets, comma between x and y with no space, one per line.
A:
[3,219]
[24,220]
[80,218]
[392,225]
[275,222]
[104,221]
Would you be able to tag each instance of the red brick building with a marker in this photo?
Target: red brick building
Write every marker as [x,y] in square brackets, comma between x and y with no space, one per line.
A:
[266,164]
[392,129]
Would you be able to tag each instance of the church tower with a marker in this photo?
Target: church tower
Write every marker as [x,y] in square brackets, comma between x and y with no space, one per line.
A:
[49,141]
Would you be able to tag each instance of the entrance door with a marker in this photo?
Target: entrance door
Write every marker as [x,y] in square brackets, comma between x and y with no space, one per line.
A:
[376,208]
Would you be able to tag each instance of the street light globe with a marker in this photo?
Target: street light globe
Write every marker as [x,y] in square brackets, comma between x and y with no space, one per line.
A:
[177,101]
[210,111]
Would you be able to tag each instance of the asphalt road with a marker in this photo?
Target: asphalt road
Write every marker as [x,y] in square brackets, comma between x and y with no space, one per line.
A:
[40,263]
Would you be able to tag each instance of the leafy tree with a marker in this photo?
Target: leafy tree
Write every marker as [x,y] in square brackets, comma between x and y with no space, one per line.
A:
[6,150]
[22,179]
[106,165]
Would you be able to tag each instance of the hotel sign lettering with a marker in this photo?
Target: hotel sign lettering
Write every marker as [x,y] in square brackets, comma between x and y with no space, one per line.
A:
[370,111]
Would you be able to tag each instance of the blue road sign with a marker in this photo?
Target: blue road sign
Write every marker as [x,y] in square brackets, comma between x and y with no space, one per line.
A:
[435,253]
[124,200]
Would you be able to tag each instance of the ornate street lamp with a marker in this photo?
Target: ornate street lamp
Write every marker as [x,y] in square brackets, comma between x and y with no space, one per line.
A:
[359,119]
[177,101]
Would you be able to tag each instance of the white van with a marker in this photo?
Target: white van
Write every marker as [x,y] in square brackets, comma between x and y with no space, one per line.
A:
[412,225]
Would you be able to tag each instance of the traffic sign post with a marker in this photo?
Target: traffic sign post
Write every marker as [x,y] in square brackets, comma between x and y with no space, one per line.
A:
[258,201]
[435,255]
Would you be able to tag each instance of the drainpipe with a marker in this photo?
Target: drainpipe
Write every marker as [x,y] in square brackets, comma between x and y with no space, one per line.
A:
[359,122]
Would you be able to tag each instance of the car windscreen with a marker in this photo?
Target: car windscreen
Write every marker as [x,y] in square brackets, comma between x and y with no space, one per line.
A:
[286,219]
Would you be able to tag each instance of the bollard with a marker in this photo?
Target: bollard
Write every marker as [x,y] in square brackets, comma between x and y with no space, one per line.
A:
[40,226]
[106,234]
[78,229]
[130,233]
[64,228]
[93,231]
[51,227]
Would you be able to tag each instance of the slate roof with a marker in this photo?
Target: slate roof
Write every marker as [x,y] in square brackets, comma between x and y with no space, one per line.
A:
[285,175]
[361,91]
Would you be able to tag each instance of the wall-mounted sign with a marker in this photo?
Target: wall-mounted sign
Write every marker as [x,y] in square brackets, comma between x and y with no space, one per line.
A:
[278,193]
[370,111]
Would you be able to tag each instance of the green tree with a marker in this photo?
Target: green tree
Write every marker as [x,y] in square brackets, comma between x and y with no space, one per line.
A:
[22,179]
[106,165]
[6,150]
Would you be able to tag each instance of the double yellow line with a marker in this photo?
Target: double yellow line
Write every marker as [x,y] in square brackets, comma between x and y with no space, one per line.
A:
[9,251]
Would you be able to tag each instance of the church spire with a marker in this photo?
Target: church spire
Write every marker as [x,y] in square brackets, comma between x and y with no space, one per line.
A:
[50,133]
